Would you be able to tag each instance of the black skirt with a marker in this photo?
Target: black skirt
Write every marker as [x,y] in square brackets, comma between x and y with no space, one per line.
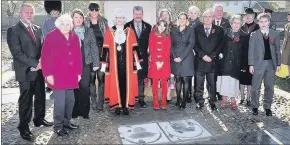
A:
[245,78]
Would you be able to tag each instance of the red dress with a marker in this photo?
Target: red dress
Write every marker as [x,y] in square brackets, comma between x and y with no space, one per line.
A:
[159,50]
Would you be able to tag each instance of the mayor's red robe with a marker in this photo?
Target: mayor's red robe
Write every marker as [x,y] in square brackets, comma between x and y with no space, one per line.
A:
[109,57]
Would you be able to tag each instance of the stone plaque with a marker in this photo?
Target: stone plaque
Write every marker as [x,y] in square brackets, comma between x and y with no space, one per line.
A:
[142,134]
[182,130]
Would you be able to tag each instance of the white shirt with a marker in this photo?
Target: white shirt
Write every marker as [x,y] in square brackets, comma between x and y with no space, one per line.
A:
[215,21]
[26,26]
[208,30]
[265,31]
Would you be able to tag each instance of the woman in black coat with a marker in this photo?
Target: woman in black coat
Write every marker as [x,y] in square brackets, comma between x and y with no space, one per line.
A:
[182,66]
[231,62]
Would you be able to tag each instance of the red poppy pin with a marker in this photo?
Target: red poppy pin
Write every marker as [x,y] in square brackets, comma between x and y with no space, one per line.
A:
[213,31]
[272,42]
[236,39]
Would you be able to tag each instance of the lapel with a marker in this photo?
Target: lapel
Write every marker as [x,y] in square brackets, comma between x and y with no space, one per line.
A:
[213,29]
[271,38]
[26,31]
[223,23]
[201,30]
[260,38]
[131,24]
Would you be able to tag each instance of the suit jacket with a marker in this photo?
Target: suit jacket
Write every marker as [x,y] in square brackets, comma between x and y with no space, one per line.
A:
[248,31]
[142,41]
[25,51]
[257,49]
[210,46]
[91,48]
[225,24]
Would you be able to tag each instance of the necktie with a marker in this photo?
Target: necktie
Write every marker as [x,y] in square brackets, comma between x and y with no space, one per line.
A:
[218,23]
[207,31]
[138,30]
[31,32]
[265,35]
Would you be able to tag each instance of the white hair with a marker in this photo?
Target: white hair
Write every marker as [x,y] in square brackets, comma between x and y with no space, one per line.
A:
[236,17]
[63,20]
[119,13]
[26,5]
[208,11]
[218,5]
[194,9]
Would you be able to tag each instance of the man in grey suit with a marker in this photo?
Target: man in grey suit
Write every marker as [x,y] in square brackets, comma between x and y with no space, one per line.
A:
[264,60]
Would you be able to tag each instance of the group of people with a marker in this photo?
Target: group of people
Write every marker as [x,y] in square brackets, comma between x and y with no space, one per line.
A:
[70,52]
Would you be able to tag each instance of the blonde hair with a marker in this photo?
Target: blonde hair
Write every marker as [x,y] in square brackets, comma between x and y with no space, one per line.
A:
[194,9]
[63,20]
[208,11]
[264,15]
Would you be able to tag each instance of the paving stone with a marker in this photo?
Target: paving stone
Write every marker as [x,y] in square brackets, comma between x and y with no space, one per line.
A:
[284,131]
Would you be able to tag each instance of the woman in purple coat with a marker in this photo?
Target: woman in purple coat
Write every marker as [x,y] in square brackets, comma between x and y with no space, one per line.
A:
[61,61]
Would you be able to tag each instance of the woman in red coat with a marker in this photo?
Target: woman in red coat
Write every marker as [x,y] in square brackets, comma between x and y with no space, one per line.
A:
[159,68]
[61,61]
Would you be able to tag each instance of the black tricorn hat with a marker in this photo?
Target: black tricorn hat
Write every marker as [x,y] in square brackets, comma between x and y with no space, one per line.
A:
[266,10]
[50,5]
[249,11]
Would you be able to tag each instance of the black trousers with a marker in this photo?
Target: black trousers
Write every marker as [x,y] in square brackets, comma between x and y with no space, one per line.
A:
[82,94]
[141,88]
[208,87]
[122,87]
[97,100]
[182,82]
[210,79]
[27,90]
[190,88]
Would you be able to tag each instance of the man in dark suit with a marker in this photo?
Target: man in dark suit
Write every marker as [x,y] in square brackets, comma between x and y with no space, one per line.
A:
[24,41]
[142,31]
[219,20]
[207,48]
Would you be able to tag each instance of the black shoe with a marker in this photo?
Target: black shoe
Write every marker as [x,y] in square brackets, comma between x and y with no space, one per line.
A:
[86,117]
[27,135]
[168,101]
[48,90]
[71,126]
[241,102]
[183,105]
[213,107]
[61,132]
[143,104]
[248,103]
[117,111]
[219,97]
[44,123]
[189,100]
[177,104]
[268,112]
[255,111]
[199,106]
[125,111]
[195,100]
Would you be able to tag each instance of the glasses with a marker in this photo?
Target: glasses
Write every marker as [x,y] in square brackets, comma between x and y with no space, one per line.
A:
[94,9]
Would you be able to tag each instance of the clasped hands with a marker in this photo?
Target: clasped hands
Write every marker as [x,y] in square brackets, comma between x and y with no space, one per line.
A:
[206,58]
[50,79]
[159,65]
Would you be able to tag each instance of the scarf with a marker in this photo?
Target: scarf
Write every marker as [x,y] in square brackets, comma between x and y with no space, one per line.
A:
[81,33]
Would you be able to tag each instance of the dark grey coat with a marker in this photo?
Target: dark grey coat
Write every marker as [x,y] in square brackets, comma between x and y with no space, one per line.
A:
[182,43]
[91,48]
